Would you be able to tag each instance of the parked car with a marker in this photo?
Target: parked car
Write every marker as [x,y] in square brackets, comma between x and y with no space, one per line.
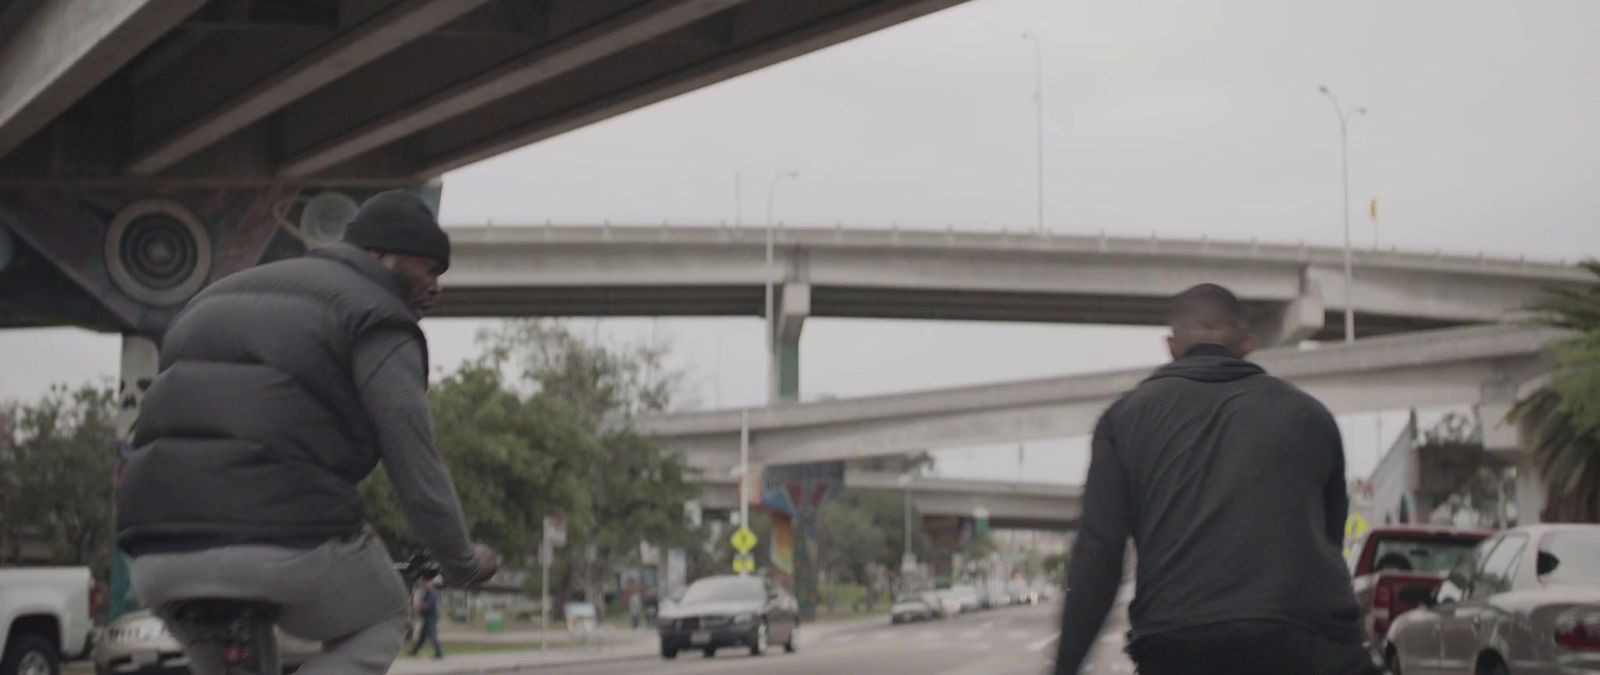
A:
[911,608]
[967,596]
[1021,593]
[138,642]
[1044,591]
[943,603]
[1526,601]
[730,611]
[44,618]
[992,595]
[1391,558]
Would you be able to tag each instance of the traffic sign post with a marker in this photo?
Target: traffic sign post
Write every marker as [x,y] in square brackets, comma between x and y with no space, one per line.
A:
[555,536]
[743,541]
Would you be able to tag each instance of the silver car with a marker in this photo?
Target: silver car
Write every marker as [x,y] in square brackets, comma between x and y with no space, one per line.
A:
[911,608]
[138,642]
[1525,601]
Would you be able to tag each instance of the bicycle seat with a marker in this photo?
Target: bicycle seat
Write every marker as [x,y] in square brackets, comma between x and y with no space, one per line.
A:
[218,616]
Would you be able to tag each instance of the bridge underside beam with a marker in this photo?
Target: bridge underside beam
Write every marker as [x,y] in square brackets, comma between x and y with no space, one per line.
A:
[364,43]
[63,49]
[151,93]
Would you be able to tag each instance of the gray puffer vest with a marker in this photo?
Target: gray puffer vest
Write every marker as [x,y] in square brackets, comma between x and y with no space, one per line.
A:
[254,432]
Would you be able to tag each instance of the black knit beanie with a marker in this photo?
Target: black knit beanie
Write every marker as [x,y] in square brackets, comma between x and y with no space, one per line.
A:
[398,221]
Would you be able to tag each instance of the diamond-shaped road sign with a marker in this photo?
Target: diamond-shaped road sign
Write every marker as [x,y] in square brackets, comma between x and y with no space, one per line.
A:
[743,540]
[744,563]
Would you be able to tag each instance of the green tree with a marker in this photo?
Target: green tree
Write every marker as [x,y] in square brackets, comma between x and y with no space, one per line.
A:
[57,456]
[865,527]
[1563,417]
[512,458]
[540,425]
[848,541]
[1055,566]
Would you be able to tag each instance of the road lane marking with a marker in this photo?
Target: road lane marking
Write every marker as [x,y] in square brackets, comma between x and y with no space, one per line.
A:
[1039,645]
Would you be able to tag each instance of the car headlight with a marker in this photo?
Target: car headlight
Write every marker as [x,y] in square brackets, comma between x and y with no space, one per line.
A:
[744,618]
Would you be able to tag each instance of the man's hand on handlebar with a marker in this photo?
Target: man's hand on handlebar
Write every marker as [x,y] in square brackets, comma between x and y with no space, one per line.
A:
[486,562]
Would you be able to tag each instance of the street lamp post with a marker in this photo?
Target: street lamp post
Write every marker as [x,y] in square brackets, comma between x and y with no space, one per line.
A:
[905,553]
[1038,105]
[772,324]
[744,468]
[1344,162]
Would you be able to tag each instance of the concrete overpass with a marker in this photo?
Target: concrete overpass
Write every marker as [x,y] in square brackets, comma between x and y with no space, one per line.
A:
[1041,506]
[1478,364]
[842,272]
[1295,292]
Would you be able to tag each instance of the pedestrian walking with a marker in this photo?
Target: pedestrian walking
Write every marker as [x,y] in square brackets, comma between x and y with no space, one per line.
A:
[428,612]
[1230,484]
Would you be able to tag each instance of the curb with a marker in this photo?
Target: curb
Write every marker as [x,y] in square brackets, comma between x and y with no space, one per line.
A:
[525,667]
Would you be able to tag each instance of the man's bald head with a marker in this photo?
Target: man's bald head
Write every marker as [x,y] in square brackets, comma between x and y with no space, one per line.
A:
[1208,314]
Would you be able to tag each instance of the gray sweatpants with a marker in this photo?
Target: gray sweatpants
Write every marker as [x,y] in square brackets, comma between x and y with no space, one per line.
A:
[344,593]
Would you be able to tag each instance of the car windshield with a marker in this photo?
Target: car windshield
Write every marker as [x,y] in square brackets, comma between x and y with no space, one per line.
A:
[1571,557]
[908,598]
[725,589]
[1421,554]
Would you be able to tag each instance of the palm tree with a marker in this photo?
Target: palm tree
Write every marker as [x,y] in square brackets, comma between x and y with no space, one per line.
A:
[1563,417]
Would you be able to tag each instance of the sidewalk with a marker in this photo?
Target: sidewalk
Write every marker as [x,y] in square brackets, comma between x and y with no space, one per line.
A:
[621,645]
[615,645]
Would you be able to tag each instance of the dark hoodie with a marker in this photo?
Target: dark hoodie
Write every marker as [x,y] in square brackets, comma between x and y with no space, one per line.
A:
[1231,484]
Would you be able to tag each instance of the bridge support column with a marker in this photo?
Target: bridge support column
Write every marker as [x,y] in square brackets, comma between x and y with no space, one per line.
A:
[793,306]
[140,359]
[1509,440]
[1298,320]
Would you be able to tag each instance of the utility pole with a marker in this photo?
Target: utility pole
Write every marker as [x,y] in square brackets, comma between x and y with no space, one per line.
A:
[1038,104]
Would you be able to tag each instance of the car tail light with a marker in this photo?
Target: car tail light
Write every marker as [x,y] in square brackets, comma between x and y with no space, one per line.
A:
[96,601]
[1580,632]
[1382,602]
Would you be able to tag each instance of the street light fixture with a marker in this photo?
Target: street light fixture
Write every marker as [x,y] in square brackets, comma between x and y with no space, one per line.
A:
[772,324]
[1345,116]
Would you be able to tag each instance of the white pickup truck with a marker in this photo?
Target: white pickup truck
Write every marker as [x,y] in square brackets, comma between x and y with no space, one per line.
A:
[44,618]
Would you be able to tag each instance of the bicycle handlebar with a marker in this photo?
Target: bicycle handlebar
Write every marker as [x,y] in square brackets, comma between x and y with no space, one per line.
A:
[419,566]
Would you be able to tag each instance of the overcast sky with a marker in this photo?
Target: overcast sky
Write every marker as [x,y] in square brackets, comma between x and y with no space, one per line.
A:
[1180,118]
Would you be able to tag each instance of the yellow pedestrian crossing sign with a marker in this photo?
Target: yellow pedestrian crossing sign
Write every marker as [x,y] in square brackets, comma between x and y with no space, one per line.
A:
[744,563]
[743,540]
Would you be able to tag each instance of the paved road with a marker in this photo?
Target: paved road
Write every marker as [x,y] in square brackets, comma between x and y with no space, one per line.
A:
[1013,641]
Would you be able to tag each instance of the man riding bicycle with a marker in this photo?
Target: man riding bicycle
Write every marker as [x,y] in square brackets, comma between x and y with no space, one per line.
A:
[281,387]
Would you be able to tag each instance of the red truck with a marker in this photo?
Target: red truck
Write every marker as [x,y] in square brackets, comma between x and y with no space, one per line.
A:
[1389,558]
